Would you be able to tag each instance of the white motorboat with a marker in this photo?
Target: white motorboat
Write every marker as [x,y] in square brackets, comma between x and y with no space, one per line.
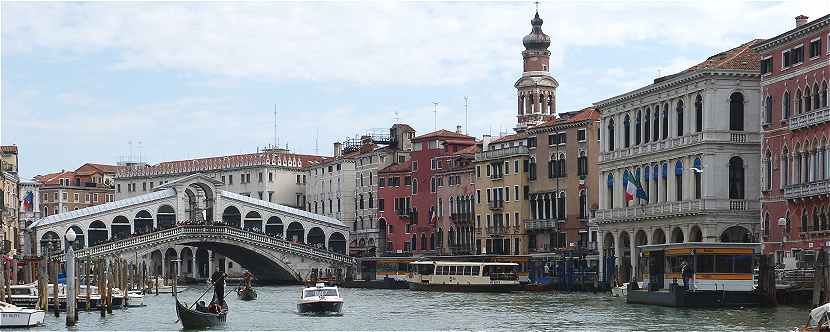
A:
[14,316]
[135,298]
[320,299]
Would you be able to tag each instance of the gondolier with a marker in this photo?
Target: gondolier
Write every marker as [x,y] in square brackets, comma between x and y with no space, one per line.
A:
[218,281]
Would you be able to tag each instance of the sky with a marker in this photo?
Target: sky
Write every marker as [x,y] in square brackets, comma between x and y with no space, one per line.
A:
[99,82]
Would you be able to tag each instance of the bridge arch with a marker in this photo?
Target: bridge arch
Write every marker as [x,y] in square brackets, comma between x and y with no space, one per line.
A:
[253,221]
[98,232]
[186,256]
[170,257]
[143,222]
[166,217]
[295,232]
[232,217]
[274,226]
[316,237]
[120,227]
[50,241]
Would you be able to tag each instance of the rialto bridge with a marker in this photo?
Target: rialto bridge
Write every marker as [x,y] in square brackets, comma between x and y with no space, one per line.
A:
[193,223]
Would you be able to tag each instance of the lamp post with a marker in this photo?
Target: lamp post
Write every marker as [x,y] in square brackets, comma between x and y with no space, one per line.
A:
[70,279]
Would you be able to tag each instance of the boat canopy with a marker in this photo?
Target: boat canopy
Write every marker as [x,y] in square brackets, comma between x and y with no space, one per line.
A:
[819,314]
[700,247]
[463,263]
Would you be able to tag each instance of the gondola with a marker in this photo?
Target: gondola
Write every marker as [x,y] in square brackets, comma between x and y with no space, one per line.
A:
[199,318]
[246,294]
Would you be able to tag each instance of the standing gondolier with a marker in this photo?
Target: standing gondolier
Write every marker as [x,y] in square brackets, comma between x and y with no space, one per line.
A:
[218,281]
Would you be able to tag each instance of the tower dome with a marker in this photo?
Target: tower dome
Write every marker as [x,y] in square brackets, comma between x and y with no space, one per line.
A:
[536,39]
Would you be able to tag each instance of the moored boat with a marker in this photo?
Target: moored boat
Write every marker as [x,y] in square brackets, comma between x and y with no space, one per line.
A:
[818,320]
[246,294]
[696,274]
[320,299]
[14,316]
[448,276]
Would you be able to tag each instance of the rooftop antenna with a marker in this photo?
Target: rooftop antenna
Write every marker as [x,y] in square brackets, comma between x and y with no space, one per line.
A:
[466,125]
[658,72]
[317,142]
[139,151]
[435,111]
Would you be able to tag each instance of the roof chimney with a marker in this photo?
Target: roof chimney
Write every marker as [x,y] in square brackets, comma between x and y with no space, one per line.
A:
[485,142]
[458,129]
[800,20]
[337,149]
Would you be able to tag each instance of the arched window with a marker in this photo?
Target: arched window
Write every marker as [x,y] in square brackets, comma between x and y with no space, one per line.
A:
[582,164]
[678,180]
[626,131]
[414,186]
[521,105]
[610,183]
[785,168]
[560,206]
[736,111]
[698,113]
[610,135]
[768,171]
[768,110]
[766,225]
[799,102]
[656,123]
[665,121]
[698,169]
[816,97]
[550,104]
[785,106]
[583,205]
[816,221]
[824,94]
[638,128]
[736,178]
[646,182]
[804,218]
[807,100]
[647,129]
[679,119]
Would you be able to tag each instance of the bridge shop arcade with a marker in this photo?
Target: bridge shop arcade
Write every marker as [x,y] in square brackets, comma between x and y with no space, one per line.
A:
[175,224]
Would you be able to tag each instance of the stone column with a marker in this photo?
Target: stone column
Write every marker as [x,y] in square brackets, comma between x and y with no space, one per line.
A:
[600,242]
[634,255]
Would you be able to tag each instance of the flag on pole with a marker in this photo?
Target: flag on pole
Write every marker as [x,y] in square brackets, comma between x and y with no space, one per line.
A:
[27,201]
[633,189]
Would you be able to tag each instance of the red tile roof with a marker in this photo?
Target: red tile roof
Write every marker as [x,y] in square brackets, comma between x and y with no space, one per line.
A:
[443,133]
[101,168]
[8,149]
[215,163]
[588,113]
[511,137]
[54,178]
[470,150]
[398,168]
[742,57]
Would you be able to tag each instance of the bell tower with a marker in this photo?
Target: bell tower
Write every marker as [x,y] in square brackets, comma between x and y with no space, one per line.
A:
[536,89]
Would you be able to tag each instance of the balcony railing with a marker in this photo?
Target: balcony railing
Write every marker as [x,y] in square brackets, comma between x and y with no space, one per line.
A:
[501,153]
[661,146]
[666,209]
[495,205]
[460,217]
[542,224]
[811,118]
[803,190]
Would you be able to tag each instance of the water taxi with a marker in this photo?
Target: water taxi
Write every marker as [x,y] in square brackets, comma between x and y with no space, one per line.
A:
[697,274]
[320,299]
[446,276]
[14,316]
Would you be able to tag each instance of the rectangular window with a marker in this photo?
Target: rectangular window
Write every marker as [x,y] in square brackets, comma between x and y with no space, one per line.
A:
[815,48]
[270,196]
[516,166]
[118,187]
[478,171]
[339,166]
[766,65]
[786,59]
[76,197]
[380,204]
[270,177]
[798,55]
[526,191]
[144,186]
[230,179]
[414,165]
[552,139]
[64,197]
[580,135]
[506,194]
[381,182]
[95,198]
[407,180]
[259,179]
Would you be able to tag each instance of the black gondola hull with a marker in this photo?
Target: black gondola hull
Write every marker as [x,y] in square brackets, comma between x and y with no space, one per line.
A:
[247,294]
[192,319]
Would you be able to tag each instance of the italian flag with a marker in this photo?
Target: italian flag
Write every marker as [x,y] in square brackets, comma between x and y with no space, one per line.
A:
[632,189]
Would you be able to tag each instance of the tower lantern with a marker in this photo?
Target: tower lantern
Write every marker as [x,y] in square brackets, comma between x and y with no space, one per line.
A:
[536,88]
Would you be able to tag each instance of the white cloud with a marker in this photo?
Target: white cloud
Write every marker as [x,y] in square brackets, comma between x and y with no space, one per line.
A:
[372,43]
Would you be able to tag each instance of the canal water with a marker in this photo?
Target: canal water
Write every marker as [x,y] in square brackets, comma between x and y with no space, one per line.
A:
[369,309]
